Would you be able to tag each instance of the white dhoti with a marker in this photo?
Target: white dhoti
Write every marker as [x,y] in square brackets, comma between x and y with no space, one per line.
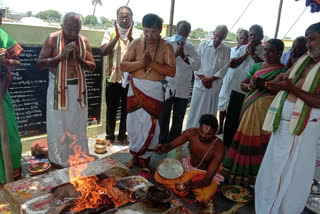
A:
[203,101]
[225,92]
[285,176]
[144,106]
[65,127]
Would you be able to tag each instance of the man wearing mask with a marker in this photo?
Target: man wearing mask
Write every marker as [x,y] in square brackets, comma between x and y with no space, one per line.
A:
[114,45]
[178,89]
[214,56]
[246,57]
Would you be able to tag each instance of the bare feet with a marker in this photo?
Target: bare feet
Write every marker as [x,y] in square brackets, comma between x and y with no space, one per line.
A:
[109,142]
[132,163]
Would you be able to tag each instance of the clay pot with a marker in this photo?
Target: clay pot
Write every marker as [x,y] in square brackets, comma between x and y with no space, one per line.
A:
[100,146]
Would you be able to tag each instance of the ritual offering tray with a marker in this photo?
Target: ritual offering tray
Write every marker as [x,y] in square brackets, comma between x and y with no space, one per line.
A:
[237,193]
[38,168]
[169,168]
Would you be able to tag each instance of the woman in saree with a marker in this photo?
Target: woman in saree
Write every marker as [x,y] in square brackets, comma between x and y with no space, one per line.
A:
[9,52]
[245,155]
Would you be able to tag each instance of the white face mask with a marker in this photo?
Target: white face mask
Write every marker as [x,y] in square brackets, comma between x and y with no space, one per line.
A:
[123,32]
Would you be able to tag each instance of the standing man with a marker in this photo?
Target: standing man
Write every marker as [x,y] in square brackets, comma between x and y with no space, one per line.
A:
[114,45]
[298,49]
[9,60]
[225,91]
[178,90]
[285,176]
[245,58]
[214,56]
[67,54]
[149,60]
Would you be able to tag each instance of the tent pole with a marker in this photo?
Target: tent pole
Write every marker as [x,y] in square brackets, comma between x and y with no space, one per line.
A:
[278,21]
[171,17]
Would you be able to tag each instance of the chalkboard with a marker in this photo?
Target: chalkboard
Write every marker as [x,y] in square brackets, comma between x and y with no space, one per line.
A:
[29,92]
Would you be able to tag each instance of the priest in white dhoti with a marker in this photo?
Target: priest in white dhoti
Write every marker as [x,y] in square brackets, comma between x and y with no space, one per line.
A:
[67,55]
[148,60]
[214,56]
[284,180]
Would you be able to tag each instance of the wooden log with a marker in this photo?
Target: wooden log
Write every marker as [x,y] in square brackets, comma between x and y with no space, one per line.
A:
[5,140]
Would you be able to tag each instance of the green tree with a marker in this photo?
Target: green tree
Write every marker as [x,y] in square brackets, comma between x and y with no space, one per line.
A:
[29,13]
[138,25]
[198,33]
[49,15]
[90,20]
[94,3]
[105,22]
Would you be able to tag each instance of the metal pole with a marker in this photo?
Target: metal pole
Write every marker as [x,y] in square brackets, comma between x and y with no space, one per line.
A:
[295,22]
[5,141]
[241,15]
[171,17]
[279,17]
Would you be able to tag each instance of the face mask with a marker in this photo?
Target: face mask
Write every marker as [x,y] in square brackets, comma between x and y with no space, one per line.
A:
[178,38]
[123,32]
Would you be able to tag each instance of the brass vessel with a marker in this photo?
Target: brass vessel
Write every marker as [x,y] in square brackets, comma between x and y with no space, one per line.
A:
[100,146]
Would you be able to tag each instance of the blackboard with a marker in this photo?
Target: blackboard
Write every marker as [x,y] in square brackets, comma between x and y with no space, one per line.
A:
[29,92]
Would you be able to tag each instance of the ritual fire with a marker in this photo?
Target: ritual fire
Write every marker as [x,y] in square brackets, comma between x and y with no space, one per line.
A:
[94,192]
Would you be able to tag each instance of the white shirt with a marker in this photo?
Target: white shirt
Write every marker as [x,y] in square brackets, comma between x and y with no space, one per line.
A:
[214,62]
[182,80]
[240,73]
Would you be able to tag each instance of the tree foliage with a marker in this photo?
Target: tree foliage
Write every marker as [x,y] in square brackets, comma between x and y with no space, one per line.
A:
[105,22]
[198,33]
[49,15]
[29,13]
[94,3]
[138,25]
[90,20]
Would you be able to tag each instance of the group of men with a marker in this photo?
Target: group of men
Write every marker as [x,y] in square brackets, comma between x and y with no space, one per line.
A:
[159,73]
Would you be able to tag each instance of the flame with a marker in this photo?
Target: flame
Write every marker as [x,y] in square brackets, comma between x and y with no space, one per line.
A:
[93,194]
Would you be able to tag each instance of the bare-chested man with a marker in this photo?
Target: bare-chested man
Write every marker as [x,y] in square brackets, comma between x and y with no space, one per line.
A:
[200,169]
[149,60]
[285,176]
[67,55]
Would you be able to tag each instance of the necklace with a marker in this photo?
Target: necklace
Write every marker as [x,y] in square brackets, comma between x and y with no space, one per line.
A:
[149,69]
[207,153]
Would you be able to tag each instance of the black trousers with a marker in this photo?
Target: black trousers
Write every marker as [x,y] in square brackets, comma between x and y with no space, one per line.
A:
[232,119]
[116,95]
[179,106]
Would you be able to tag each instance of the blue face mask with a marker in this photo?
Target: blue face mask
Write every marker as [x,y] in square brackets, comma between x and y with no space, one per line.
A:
[178,38]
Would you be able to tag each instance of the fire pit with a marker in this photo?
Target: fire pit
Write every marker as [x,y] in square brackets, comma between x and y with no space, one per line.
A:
[97,194]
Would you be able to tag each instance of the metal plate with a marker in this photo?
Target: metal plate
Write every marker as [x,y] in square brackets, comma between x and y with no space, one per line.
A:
[242,195]
[313,203]
[169,168]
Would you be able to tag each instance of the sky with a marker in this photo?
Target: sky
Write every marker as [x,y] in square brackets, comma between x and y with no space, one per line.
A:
[205,14]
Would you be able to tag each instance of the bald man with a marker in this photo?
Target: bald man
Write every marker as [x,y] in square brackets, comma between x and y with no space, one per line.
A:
[67,55]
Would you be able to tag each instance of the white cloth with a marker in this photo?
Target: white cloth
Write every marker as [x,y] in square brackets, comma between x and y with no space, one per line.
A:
[202,102]
[139,122]
[180,84]
[240,73]
[225,91]
[214,62]
[65,126]
[285,176]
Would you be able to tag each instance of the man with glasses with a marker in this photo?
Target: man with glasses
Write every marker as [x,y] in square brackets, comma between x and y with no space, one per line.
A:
[149,60]
[214,56]
[114,44]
